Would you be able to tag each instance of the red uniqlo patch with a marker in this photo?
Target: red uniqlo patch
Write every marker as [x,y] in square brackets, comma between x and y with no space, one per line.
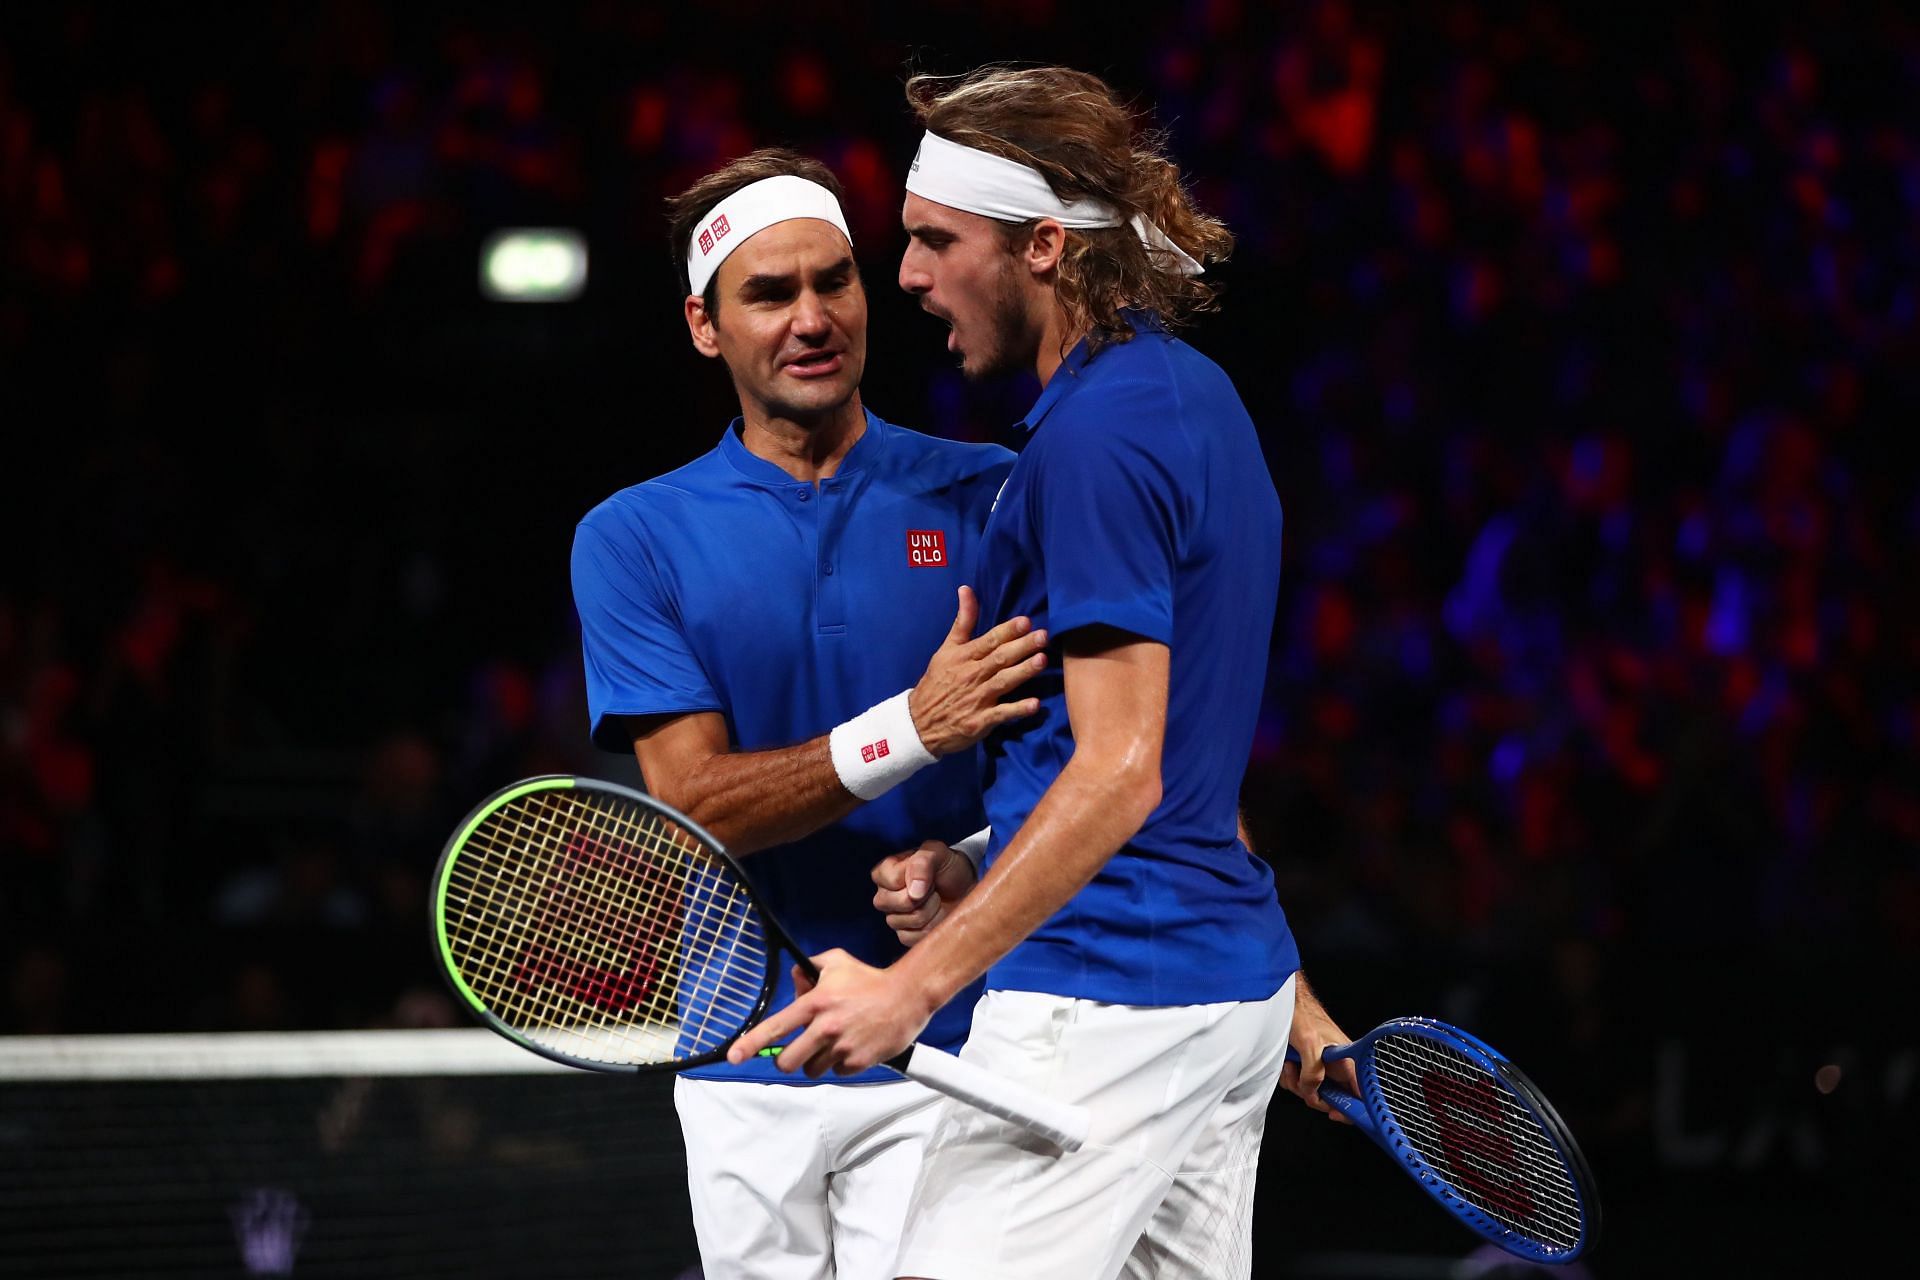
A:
[880,748]
[721,227]
[926,548]
[874,751]
[706,242]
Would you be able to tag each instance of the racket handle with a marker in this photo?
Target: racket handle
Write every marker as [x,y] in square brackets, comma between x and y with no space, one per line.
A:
[1061,1123]
[1339,1099]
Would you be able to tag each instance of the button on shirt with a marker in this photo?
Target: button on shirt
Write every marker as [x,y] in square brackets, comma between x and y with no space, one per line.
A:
[1142,502]
[727,586]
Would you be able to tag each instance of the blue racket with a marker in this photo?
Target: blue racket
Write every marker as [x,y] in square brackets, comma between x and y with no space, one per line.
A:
[1475,1133]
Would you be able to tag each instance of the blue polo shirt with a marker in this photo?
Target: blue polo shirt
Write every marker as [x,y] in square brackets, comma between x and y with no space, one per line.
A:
[787,607]
[1142,502]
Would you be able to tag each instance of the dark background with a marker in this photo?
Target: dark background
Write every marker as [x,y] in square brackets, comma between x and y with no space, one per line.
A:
[1583,344]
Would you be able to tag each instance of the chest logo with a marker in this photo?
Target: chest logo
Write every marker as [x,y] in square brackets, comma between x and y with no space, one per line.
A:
[927,548]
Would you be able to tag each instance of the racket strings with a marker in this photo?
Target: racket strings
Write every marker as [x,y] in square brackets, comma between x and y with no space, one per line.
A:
[726,998]
[1464,1108]
[593,926]
[526,890]
[583,914]
[1471,1125]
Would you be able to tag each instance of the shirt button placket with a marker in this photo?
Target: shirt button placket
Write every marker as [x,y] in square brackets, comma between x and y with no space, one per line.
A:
[830,608]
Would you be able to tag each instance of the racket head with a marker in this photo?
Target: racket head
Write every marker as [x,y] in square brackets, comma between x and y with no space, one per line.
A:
[596,926]
[1478,1136]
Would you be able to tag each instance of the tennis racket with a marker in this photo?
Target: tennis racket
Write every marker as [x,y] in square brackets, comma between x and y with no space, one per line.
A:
[1475,1134]
[598,927]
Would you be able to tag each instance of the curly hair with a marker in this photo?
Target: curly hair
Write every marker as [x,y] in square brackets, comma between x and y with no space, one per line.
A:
[1071,128]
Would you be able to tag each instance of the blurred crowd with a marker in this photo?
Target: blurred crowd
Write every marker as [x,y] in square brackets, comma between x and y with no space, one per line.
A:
[1584,352]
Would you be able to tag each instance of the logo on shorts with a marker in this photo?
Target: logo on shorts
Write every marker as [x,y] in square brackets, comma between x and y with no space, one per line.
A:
[874,751]
[927,548]
[706,242]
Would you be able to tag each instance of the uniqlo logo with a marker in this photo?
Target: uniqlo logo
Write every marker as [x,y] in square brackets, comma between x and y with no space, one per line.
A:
[721,227]
[926,548]
[706,242]
[874,751]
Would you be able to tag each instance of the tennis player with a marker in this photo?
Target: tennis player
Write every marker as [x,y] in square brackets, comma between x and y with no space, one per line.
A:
[756,628]
[1137,962]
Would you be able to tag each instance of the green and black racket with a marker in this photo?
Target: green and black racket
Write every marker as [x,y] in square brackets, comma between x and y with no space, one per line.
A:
[596,926]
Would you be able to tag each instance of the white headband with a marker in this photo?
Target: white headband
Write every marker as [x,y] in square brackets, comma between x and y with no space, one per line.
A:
[754,208]
[1008,191]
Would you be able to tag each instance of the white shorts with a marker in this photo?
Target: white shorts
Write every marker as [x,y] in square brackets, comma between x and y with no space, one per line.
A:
[796,1182]
[1164,1186]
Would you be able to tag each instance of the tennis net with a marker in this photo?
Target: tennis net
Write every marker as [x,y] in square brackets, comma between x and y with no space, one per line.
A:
[376,1153]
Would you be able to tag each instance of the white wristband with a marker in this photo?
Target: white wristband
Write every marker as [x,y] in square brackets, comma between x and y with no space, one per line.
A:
[974,848]
[878,749]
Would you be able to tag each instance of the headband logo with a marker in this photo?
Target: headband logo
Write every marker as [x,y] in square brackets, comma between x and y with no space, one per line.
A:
[750,210]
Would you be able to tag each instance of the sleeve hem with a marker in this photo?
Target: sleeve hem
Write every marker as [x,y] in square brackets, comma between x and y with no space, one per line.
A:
[1144,623]
[607,736]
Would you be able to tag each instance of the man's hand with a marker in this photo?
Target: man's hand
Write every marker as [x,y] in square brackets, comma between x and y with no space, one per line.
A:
[917,887]
[957,701]
[1313,1031]
[855,1016]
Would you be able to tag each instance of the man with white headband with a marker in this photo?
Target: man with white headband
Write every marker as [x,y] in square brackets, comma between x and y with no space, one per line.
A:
[786,588]
[1137,962]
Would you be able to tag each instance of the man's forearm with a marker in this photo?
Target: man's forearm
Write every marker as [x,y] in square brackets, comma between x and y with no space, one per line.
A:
[753,800]
[1084,818]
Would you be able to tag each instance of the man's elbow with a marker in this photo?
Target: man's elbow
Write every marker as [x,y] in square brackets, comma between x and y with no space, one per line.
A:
[1135,790]
[706,810]
[681,795]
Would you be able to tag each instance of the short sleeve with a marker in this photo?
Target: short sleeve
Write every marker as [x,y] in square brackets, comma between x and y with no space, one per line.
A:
[1111,517]
[638,661]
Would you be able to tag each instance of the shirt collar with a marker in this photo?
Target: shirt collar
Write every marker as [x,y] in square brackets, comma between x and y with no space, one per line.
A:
[760,471]
[1067,377]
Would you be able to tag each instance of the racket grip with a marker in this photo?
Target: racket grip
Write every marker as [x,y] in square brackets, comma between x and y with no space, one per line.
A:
[1061,1123]
[1339,1099]
[1347,1105]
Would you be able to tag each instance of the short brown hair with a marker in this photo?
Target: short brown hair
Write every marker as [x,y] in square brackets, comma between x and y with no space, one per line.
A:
[1071,127]
[688,209]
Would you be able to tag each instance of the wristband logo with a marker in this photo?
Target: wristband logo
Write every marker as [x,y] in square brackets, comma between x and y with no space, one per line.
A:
[927,548]
[874,751]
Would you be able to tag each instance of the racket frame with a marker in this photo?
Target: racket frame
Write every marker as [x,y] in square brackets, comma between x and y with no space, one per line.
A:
[1371,1113]
[777,939]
